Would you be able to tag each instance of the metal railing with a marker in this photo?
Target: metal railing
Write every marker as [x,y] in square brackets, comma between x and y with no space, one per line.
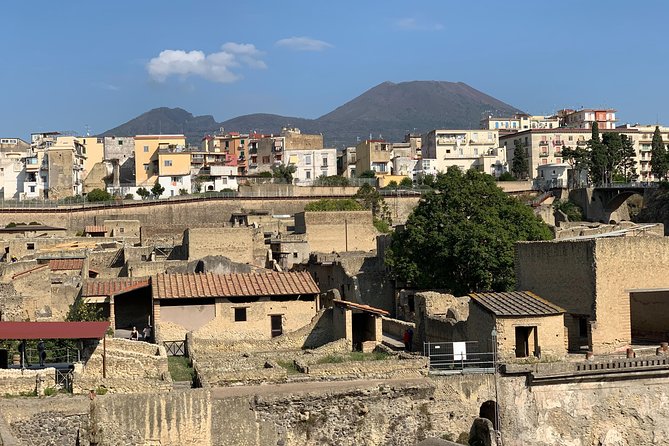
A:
[175,348]
[458,357]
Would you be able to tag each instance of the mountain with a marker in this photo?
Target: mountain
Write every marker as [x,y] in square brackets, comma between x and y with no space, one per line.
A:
[389,109]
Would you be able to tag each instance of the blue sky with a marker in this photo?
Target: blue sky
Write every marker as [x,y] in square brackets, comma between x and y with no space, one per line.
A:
[75,65]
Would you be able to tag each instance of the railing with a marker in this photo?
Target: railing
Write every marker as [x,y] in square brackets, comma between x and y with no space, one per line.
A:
[632,185]
[458,357]
[175,348]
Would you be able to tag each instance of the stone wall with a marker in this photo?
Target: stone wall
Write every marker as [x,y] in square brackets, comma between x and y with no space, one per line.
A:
[27,381]
[242,244]
[337,231]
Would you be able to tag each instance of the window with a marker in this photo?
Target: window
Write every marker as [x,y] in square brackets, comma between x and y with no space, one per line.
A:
[240,314]
[168,163]
[476,151]
[121,230]
[325,161]
[32,188]
[570,138]
[308,174]
[146,167]
[120,142]
[307,160]
[30,246]
[146,149]
[294,255]
[265,159]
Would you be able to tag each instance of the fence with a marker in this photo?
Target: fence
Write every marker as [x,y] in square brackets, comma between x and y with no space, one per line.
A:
[458,357]
[54,356]
[175,348]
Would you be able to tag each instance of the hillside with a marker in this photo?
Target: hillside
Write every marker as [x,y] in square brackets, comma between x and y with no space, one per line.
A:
[388,109]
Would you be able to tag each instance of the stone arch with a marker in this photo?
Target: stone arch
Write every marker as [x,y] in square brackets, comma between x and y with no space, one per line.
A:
[614,203]
[488,411]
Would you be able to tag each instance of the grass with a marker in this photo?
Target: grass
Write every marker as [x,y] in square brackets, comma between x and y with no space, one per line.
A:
[290,367]
[180,369]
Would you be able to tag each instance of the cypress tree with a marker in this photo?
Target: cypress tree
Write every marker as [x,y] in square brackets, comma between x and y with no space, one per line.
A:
[659,161]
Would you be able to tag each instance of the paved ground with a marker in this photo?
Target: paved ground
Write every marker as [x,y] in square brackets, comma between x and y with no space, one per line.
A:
[304,387]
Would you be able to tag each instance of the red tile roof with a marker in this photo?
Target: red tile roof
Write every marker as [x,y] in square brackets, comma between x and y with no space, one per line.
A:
[66,264]
[95,229]
[112,287]
[171,286]
[53,330]
[28,271]
[365,308]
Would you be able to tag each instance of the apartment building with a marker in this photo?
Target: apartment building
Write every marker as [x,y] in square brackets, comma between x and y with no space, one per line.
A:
[233,150]
[466,149]
[374,155]
[584,118]
[174,170]
[65,168]
[13,152]
[120,152]
[520,121]
[147,147]
[544,146]
[346,163]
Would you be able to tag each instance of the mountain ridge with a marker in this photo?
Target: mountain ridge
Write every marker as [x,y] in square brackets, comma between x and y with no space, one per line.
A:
[388,109]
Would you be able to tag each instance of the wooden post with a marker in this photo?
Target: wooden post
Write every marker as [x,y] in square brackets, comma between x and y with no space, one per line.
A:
[104,356]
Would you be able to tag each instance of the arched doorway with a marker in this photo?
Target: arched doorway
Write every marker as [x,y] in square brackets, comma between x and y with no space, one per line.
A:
[489,411]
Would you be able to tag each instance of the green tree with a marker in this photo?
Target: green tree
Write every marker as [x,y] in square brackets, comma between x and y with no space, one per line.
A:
[506,176]
[598,156]
[519,166]
[142,192]
[370,198]
[367,174]
[82,312]
[614,149]
[406,183]
[659,157]
[98,195]
[333,180]
[157,190]
[627,165]
[392,184]
[333,204]
[462,237]
[579,160]
[284,172]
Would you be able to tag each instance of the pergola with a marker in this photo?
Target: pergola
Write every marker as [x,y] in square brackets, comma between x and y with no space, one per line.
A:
[57,330]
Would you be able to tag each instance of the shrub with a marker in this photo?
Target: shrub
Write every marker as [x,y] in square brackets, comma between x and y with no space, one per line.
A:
[101,390]
[367,174]
[571,210]
[333,204]
[392,184]
[333,180]
[142,192]
[98,195]
[406,183]
[129,197]
[49,391]
[506,176]
[381,226]
[183,192]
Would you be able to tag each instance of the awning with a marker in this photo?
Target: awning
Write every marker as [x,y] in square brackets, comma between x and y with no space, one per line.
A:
[53,330]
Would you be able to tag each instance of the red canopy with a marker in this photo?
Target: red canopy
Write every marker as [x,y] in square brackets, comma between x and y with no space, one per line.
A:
[53,330]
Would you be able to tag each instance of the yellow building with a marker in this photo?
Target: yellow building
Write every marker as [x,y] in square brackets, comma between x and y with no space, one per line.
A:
[147,163]
[94,151]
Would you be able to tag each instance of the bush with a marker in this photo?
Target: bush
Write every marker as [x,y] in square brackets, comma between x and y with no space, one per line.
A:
[333,204]
[129,196]
[142,192]
[381,226]
[392,184]
[367,174]
[183,192]
[49,391]
[571,210]
[98,195]
[101,390]
[506,176]
[406,183]
[333,180]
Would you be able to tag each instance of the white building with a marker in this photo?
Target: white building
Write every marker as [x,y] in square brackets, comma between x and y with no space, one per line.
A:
[311,164]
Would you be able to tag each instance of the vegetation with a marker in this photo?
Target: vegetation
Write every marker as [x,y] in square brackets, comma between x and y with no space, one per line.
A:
[462,238]
[80,311]
[571,210]
[659,161]
[102,390]
[183,191]
[406,183]
[367,174]
[506,176]
[157,190]
[353,356]
[382,226]
[98,195]
[129,197]
[333,204]
[392,184]
[266,174]
[290,366]
[142,192]
[370,198]
[180,368]
[520,166]
[333,180]
[284,172]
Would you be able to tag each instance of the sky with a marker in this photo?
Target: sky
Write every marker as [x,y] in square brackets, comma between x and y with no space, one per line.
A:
[88,66]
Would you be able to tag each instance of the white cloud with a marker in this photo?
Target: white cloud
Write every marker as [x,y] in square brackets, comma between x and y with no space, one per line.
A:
[222,66]
[303,44]
[411,24]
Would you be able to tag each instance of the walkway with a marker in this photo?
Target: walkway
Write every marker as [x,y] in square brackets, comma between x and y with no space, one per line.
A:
[313,386]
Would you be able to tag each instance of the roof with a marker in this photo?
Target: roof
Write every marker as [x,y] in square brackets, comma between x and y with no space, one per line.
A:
[53,330]
[172,286]
[24,228]
[365,308]
[112,287]
[66,264]
[516,303]
[95,228]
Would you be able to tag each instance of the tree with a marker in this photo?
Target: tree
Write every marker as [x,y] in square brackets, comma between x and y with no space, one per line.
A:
[462,237]
[142,192]
[406,183]
[367,174]
[506,176]
[598,156]
[98,195]
[579,160]
[80,311]
[392,184]
[332,180]
[519,165]
[614,149]
[627,166]
[370,198]
[157,190]
[284,172]
[659,157]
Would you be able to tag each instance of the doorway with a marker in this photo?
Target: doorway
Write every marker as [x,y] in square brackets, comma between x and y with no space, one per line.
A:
[526,341]
[277,325]
[648,310]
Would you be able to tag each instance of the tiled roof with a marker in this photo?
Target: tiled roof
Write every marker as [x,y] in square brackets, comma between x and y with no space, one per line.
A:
[95,228]
[357,306]
[516,303]
[170,286]
[66,264]
[111,287]
[28,271]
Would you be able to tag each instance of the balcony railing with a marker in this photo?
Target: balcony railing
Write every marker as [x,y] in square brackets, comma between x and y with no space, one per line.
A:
[581,142]
[543,154]
[543,143]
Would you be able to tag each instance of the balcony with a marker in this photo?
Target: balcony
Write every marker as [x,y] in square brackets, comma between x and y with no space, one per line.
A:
[543,154]
[581,142]
[558,142]
[543,143]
